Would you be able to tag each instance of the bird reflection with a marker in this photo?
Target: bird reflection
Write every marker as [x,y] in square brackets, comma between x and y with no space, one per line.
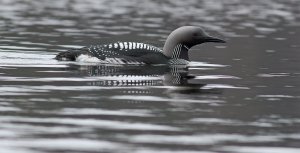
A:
[176,78]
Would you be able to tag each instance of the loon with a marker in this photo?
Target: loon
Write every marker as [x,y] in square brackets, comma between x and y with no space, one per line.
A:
[174,52]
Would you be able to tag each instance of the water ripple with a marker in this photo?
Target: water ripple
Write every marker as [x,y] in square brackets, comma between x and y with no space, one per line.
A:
[62,144]
[199,139]
[239,149]
[94,111]
[94,123]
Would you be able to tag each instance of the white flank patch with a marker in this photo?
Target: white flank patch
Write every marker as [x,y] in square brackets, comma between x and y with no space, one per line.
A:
[119,61]
[87,58]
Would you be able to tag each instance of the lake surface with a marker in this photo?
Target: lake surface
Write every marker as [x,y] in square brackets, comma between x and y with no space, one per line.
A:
[238,97]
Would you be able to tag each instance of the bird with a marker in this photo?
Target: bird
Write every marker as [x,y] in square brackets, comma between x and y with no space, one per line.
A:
[174,52]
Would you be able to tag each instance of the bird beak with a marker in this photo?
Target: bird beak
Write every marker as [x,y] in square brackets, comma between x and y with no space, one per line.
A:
[213,39]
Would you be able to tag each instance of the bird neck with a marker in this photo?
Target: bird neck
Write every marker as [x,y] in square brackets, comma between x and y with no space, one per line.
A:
[176,50]
[174,47]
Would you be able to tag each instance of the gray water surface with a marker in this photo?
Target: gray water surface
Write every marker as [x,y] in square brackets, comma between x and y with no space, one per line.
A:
[238,97]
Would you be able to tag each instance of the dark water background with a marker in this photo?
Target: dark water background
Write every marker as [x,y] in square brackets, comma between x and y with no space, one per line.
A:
[244,97]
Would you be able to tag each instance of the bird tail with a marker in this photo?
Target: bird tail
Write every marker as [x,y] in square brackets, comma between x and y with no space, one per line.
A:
[71,54]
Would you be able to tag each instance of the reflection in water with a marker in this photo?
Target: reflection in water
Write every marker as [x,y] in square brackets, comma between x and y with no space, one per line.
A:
[177,79]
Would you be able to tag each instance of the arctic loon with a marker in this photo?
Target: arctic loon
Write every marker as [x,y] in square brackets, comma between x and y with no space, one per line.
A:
[174,52]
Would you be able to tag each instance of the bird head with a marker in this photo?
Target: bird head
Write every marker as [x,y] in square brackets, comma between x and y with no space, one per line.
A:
[193,35]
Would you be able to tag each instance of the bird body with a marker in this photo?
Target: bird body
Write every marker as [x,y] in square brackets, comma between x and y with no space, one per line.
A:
[175,50]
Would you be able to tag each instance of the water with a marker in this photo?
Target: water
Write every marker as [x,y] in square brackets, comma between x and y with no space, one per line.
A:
[238,97]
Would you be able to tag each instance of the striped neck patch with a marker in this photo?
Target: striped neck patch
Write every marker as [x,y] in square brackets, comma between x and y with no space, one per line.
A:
[178,49]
